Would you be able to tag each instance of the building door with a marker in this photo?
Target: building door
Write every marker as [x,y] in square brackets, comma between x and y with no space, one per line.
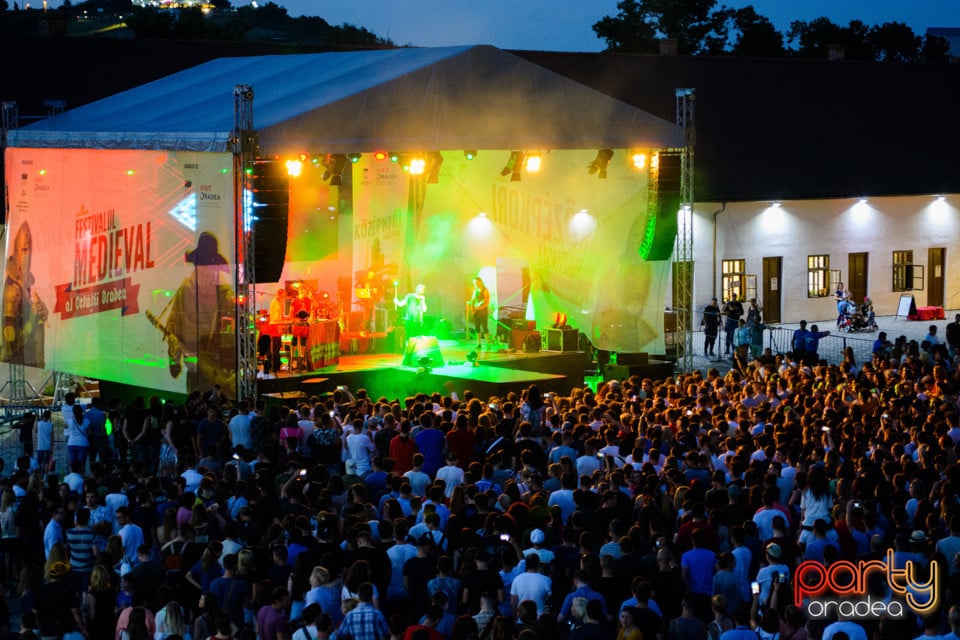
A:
[857,276]
[772,283]
[935,266]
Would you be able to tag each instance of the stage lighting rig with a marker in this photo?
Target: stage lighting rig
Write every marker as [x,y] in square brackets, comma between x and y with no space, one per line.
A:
[514,166]
[600,163]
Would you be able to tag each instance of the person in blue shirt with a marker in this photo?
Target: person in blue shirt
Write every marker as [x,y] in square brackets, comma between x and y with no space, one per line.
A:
[742,630]
[580,590]
[430,441]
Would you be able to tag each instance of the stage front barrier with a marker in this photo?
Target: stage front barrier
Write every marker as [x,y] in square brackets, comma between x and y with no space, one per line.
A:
[323,343]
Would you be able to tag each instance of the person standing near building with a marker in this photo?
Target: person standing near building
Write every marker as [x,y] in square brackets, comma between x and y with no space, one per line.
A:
[732,312]
[710,323]
[799,342]
[813,342]
[952,335]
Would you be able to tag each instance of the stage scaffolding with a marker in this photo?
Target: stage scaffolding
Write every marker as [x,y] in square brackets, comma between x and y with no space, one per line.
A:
[244,143]
[683,255]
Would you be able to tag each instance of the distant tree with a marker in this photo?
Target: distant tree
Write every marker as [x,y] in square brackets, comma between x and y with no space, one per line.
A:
[814,37]
[633,30]
[3,5]
[935,49]
[222,5]
[149,22]
[895,42]
[752,34]
[190,24]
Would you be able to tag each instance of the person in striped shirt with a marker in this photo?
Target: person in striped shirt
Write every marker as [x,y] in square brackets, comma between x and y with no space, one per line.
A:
[82,549]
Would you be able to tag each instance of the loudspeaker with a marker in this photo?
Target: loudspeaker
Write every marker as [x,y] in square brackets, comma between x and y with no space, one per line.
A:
[271,198]
[632,359]
[661,230]
[563,339]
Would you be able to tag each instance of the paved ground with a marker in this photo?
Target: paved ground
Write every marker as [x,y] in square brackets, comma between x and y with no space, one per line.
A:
[831,347]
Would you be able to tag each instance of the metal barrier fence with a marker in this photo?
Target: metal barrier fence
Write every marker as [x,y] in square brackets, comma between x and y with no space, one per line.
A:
[779,340]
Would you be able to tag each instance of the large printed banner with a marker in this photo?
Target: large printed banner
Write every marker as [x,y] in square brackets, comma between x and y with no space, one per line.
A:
[120,266]
[577,235]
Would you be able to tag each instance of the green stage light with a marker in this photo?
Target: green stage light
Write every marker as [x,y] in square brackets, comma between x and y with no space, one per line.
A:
[394,156]
[354,158]
[470,154]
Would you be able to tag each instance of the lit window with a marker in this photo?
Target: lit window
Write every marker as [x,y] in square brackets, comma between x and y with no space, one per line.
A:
[818,268]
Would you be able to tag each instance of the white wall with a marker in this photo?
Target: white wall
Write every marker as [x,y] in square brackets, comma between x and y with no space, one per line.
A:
[838,227]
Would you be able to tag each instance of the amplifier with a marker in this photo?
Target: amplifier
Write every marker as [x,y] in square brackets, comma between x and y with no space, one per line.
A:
[563,340]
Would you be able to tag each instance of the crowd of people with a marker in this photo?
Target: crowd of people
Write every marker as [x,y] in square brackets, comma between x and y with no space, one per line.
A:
[676,509]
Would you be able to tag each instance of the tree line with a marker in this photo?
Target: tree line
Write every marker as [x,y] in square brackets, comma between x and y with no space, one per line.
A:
[700,27]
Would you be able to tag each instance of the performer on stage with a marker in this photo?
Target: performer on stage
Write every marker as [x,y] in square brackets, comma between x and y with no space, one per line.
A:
[278,323]
[369,293]
[480,303]
[302,311]
[414,306]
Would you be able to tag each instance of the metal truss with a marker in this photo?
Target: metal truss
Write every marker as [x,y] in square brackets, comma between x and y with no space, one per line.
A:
[683,254]
[244,143]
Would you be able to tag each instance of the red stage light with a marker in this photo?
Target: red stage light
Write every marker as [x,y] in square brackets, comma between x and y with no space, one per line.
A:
[380,155]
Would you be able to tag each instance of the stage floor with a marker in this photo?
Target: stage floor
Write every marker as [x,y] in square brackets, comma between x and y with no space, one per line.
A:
[498,371]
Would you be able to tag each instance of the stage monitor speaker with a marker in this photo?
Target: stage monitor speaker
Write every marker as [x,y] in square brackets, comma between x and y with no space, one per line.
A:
[660,233]
[563,339]
[422,347]
[271,198]
[632,359]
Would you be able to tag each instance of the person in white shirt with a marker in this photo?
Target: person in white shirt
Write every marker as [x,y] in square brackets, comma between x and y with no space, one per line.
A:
[44,439]
[360,448]
[239,426]
[531,585]
[451,474]
[130,534]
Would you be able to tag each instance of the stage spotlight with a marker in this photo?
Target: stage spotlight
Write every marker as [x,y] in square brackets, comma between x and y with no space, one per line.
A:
[335,164]
[380,155]
[294,168]
[354,158]
[417,166]
[434,162]
[599,164]
[533,162]
[514,166]
[470,154]
[426,364]
[394,156]
[638,160]
[472,358]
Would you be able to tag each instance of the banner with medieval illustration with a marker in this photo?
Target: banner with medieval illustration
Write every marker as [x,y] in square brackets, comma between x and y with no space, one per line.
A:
[120,266]
[577,234]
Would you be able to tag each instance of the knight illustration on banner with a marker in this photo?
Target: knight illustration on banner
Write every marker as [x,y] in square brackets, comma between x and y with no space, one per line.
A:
[24,313]
[197,322]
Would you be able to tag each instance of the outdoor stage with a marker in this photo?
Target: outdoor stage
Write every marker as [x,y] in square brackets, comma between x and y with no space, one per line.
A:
[498,371]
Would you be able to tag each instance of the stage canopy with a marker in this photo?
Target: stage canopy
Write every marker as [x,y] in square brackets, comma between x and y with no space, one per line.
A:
[470,97]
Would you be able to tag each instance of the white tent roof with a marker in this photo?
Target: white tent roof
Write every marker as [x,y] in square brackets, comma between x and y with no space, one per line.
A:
[475,97]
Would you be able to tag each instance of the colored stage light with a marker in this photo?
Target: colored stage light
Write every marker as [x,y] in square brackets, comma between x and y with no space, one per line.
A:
[354,158]
[394,156]
[380,155]
[417,166]
[638,160]
[472,358]
[470,154]
[533,161]
[294,168]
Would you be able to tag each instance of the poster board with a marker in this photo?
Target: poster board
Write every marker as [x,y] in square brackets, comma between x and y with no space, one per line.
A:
[907,306]
[120,266]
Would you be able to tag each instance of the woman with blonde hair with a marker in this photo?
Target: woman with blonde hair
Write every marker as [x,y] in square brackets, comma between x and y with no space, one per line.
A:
[324,591]
[58,553]
[98,603]
[9,535]
[169,622]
